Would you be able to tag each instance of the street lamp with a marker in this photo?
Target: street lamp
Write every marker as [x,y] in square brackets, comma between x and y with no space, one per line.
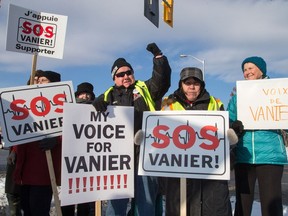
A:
[200,60]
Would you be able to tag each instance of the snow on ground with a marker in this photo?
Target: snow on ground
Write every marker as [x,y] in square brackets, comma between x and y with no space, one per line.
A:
[4,204]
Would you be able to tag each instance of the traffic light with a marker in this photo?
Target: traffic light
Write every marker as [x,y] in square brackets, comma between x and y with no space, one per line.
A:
[151,11]
[168,12]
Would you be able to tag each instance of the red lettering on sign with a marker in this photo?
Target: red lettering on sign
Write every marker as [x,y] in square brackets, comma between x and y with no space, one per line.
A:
[26,28]
[38,103]
[45,107]
[49,32]
[213,139]
[158,135]
[176,135]
[59,100]
[19,110]
[37,29]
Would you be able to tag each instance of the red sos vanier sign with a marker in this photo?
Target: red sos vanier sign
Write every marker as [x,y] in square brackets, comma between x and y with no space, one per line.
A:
[185,144]
[30,113]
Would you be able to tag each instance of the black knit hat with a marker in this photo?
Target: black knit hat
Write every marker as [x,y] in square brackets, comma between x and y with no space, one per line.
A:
[85,87]
[51,75]
[120,62]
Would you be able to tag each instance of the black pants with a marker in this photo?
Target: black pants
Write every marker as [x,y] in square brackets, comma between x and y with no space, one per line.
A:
[83,209]
[270,191]
[204,197]
[36,200]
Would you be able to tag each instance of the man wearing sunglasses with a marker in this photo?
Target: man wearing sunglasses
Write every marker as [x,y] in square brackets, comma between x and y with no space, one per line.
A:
[142,95]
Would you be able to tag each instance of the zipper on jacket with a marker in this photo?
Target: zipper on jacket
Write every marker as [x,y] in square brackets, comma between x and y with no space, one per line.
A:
[253,148]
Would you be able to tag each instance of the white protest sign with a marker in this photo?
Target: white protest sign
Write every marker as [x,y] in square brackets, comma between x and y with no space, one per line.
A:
[35,32]
[32,112]
[263,104]
[97,154]
[189,144]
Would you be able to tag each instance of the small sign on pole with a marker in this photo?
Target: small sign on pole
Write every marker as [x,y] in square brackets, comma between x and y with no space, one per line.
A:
[34,32]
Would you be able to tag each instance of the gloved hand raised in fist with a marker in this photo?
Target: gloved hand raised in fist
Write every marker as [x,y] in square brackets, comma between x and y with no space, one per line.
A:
[48,143]
[154,49]
[238,127]
[100,105]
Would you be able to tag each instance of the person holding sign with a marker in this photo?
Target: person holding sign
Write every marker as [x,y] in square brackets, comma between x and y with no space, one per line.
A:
[204,197]
[85,95]
[142,95]
[260,155]
[31,170]
[12,190]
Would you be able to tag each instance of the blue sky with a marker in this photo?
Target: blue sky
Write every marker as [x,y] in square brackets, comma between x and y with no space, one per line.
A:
[221,32]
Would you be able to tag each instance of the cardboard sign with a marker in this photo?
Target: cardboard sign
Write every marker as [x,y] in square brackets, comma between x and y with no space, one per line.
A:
[189,144]
[263,104]
[35,32]
[30,113]
[97,154]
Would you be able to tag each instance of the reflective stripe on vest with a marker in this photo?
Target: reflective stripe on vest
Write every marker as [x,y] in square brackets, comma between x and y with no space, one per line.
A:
[141,87]
[214,105]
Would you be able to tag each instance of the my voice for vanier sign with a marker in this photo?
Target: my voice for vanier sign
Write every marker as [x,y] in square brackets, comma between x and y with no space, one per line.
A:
[34,32]
[97,154]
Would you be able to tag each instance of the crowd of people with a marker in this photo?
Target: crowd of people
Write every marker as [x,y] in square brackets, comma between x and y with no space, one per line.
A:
[259,154]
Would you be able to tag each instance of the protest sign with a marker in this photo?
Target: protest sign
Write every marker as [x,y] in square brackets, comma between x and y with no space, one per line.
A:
[263,104]
[190,144]
[97,154]
[34,32]
[30,113]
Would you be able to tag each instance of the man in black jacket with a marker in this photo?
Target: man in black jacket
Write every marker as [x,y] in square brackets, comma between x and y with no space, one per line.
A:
[142,95]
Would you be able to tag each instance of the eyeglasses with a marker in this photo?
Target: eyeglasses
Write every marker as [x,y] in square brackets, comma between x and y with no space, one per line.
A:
[122,74]
[42,80]
[189,83]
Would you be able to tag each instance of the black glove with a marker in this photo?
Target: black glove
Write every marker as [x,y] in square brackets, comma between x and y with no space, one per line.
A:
[238,127]
[100,105]
[48,143]
[154,49]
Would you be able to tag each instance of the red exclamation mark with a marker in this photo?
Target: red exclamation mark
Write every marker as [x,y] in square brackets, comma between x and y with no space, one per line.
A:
[216,161]
[125,180]
[105,182]
[112,181]
[91,183]
[84,184]
[77,185]
[98,182]
[70,180]
[118,181]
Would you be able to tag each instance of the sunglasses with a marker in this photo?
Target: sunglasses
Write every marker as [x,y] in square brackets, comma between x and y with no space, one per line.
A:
[122,74]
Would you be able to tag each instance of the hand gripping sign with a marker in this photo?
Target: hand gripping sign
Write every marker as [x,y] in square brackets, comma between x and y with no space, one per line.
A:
[190,144]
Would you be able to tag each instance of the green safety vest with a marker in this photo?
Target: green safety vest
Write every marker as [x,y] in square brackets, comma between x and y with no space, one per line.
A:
[214,105]
[141,87]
